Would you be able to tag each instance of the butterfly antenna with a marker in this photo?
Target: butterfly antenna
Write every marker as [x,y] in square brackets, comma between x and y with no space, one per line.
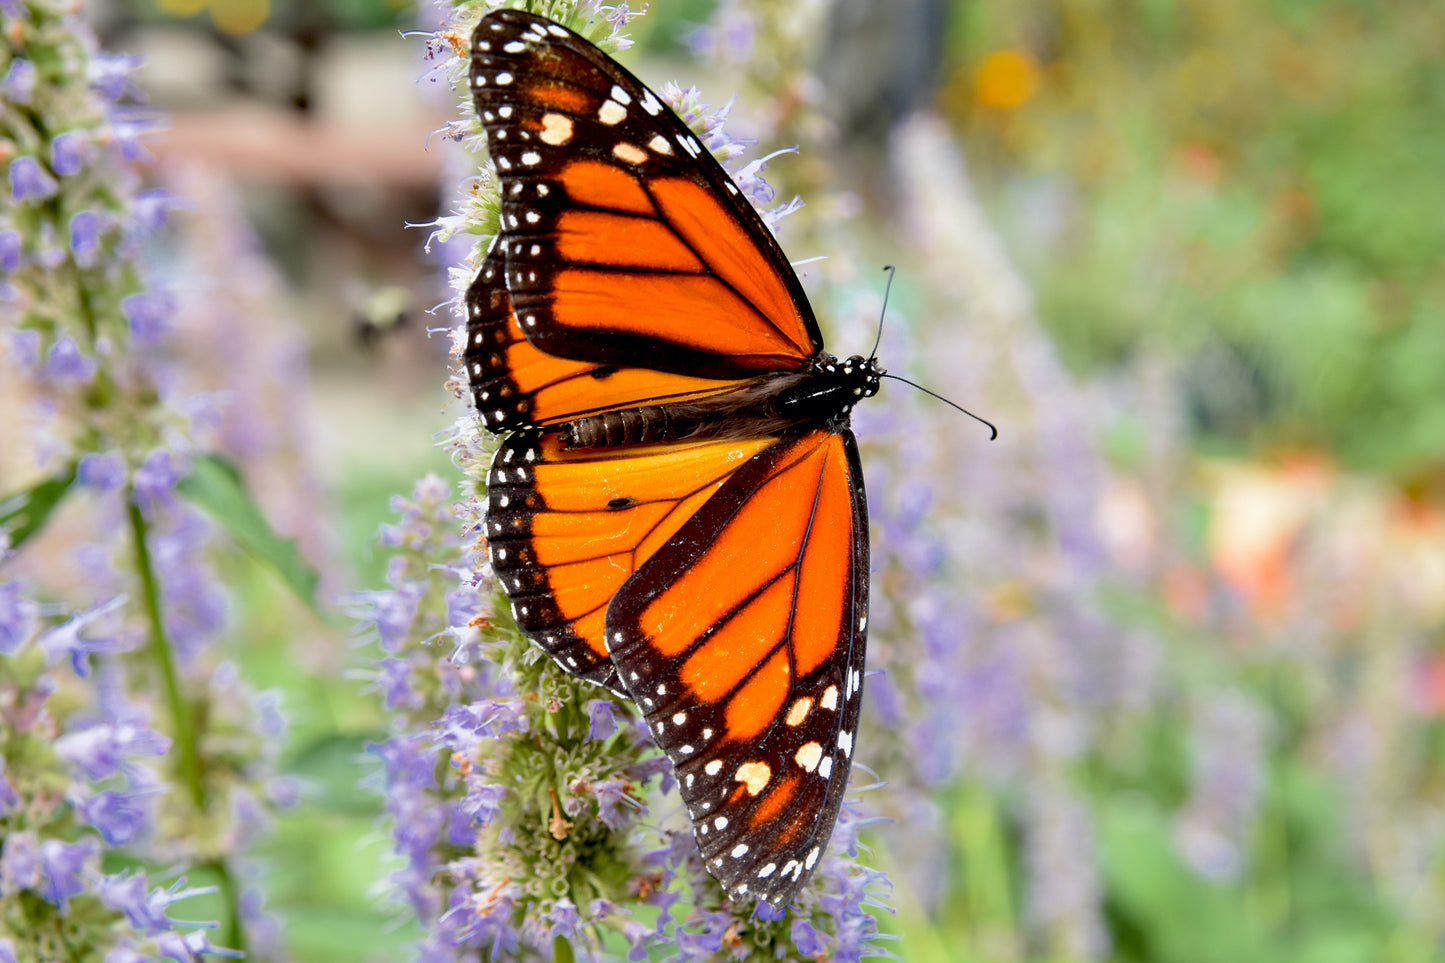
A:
[949,403]
[888,287]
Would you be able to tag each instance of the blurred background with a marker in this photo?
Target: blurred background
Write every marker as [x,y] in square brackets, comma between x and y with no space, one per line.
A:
[1163,668]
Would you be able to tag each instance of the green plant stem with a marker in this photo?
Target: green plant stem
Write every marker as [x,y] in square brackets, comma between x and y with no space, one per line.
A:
[234,935]
[182,721]
[182,729]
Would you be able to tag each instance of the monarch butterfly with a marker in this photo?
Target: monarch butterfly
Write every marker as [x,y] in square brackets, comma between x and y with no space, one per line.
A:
[677,511]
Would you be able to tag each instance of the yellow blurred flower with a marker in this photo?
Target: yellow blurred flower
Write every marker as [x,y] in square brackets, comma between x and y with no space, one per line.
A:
[235,17]
[1006,79]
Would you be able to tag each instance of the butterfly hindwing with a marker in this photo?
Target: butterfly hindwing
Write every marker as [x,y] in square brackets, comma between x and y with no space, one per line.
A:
[624,242]
[742,640]
[566,529]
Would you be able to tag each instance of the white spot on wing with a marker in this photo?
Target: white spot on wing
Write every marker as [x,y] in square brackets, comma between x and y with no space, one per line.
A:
[611,113]
[808,755]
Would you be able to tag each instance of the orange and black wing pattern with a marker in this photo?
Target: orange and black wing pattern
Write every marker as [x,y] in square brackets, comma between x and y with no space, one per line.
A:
[566,529]
[719,580]
[742,638]
[624,248]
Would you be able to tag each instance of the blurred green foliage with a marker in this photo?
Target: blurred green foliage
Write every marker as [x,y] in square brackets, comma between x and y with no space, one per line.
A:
[1255,186]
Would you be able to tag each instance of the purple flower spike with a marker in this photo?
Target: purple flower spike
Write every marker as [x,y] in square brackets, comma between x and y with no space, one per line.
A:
[64,364]
[102,471]
[19,83]
[69,153]
[149,315]
[29,181]
[7,950]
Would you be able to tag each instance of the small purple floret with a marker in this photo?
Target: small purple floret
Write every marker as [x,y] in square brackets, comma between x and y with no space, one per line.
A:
[29,181]
[103,471]
[65,364]
[69,152]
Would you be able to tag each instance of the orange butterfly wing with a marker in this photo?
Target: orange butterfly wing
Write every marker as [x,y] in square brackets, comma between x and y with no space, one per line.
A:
[722,584]
[624,248]
[567,528]
[515,384]
[742,638]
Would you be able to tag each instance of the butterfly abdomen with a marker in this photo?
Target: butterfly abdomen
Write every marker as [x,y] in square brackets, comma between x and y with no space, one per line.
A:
[768,405]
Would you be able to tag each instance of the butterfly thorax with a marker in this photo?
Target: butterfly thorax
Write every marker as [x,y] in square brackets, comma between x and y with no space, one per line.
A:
[823,393]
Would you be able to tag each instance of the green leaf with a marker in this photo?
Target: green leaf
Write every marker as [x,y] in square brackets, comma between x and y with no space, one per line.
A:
[215,485]
[24,513]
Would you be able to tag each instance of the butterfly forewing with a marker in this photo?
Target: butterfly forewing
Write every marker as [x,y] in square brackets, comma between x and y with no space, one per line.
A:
[742,640]
[515,385]
[599,179]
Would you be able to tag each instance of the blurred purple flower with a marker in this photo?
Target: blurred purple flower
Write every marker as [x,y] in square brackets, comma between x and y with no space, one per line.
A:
[62,868]
[394,681]
[103,749]
[29,181]
[103,471]
[481,802]
[65,363]
[806,940]
[20,862]
[118,816]
[69,152]
[12,249]
[129,894]
[156,478]
[19,83]
[65,640]
[109,75]
[564,919]
[149,211]
[461,725]
[615,805]
[9,798]
[149,315]
[23,347]
[603,715]
[192,946]
[392,613]
[17,617]
[85,228]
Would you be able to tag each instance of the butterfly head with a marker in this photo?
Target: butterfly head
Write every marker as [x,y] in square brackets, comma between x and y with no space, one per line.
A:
[862,374]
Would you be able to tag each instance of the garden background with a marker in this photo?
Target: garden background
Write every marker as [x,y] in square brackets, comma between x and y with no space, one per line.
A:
[1160,672]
